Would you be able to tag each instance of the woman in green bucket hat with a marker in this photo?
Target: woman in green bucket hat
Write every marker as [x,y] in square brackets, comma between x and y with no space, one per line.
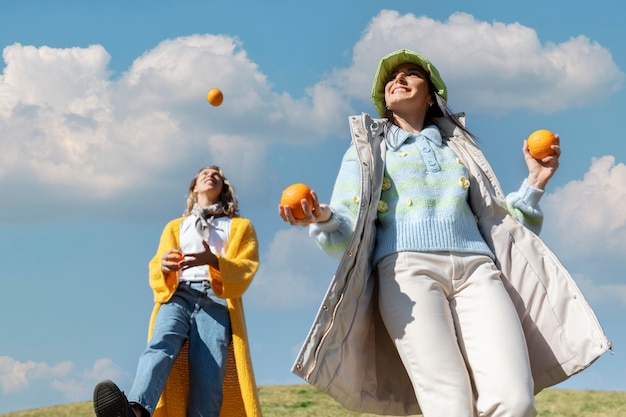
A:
[446,302]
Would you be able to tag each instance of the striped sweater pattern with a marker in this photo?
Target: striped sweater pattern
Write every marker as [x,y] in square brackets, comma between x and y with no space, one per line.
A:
[423,205]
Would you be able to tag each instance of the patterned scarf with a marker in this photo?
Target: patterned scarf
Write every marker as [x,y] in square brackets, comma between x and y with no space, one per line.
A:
[205,216]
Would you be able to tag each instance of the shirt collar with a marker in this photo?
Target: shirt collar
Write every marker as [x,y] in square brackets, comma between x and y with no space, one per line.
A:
[396,136]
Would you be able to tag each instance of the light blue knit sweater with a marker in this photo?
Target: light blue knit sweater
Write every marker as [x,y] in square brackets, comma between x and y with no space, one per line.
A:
[423,205]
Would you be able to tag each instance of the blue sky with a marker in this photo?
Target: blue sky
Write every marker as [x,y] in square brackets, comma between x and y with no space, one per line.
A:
[103,122]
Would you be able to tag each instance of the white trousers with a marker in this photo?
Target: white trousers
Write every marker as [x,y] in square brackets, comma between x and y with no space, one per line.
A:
[457,333]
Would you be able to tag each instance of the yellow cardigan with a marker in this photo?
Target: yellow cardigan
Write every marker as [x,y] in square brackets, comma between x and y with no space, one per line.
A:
[236,271]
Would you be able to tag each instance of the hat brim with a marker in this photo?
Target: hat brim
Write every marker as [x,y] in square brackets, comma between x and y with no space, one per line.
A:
[389,63]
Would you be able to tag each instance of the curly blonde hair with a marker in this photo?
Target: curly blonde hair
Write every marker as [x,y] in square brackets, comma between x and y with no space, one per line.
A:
[227,196]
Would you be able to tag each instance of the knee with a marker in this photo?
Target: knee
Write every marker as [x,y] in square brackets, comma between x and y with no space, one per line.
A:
[523,408]
[513,406]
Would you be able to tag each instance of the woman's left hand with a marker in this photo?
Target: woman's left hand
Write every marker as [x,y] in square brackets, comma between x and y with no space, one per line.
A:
[540,171]
[204,257]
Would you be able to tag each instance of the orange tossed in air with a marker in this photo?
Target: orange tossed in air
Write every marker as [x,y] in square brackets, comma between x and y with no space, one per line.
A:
[293,195]
[215,97]
[540,143]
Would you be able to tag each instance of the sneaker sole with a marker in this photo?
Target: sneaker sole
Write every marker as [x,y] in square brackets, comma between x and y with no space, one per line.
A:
[108,400]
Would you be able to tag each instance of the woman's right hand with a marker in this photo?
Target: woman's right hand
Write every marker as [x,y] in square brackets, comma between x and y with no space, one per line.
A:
[319,213]
[170,261]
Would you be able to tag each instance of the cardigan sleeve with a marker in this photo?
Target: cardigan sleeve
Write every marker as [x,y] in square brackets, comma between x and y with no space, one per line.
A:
[238,267]
[164,285]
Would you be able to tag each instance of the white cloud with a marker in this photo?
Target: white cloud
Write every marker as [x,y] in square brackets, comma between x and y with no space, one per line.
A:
[17,376]
[79,385]
[72,80]
[75,385]
[489,65]
[72,133]
[236,155]
[587,217]
[104,368]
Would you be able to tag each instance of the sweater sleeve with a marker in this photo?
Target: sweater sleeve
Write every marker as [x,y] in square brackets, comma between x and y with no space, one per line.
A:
[239,266]
[523,205]
[334,235]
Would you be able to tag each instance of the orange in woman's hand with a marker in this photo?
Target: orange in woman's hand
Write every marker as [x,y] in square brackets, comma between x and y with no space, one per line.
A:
[540,143]
[293,195]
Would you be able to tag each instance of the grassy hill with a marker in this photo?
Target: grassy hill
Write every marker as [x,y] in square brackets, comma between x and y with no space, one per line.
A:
[307,401]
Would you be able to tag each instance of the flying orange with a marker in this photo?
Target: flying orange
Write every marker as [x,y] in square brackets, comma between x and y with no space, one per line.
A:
[215,96]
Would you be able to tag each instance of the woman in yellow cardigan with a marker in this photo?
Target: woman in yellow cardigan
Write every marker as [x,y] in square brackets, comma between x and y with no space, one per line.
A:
[197,361]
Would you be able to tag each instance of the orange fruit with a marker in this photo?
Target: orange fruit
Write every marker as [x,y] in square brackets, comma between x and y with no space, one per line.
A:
[215,97]
[293,195]
[540,143]
[176,257]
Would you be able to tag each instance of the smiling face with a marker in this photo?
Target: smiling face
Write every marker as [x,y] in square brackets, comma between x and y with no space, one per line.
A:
[208,186]
[407,90]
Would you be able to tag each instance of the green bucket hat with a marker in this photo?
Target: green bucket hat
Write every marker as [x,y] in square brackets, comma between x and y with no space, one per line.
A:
[391,62]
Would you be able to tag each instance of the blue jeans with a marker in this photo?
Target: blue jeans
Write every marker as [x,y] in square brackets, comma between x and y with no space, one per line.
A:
[193,313]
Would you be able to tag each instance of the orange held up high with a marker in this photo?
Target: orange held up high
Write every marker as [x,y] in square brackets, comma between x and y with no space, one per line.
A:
[293,195]
[540,143]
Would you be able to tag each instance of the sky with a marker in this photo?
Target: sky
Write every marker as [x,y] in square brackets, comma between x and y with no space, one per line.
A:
[104,122]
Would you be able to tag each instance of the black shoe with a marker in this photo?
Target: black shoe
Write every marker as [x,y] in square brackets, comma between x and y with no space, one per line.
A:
[109,401]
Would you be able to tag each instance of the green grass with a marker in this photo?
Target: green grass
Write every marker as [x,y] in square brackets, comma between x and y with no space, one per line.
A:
[307,401]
